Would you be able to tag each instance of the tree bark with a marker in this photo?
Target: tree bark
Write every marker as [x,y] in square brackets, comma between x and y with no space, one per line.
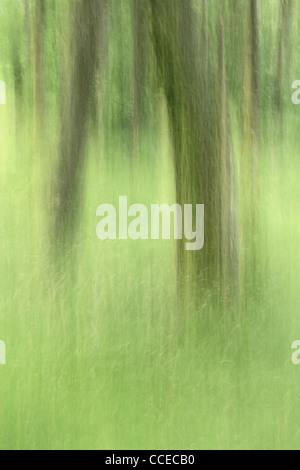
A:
[38,66]
[197,107]
[78,95]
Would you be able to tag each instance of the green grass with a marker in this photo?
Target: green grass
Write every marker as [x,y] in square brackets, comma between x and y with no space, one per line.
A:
[98,353]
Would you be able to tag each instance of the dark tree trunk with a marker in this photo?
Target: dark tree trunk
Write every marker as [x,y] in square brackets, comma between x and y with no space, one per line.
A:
[284,47]
[79,93]
[250,137]
[197,106]
[39,90]
[141,59]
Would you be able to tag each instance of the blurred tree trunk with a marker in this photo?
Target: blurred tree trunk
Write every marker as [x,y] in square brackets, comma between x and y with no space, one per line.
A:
[254,68]
[229,246]
[251,78]
[284,50]
[282,80]
[38,66]
[27,30]
[78,95]
[18,72]
[196,98]
[141,60]
[204,44]
[250,133]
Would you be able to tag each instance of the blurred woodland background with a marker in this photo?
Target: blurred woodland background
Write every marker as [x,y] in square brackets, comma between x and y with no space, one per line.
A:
[141,344]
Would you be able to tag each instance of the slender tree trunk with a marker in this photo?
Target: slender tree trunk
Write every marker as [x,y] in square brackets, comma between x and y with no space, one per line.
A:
[38,66]
[250,137]
[199,123]
[284,47]
[254,69]
[27,30]
[18,72]
[229,246]
[141,54]
[79,93]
